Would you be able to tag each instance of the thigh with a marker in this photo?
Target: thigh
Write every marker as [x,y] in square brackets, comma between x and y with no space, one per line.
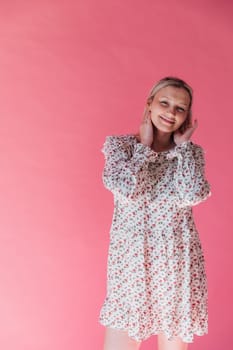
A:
[116,339]
[176,344]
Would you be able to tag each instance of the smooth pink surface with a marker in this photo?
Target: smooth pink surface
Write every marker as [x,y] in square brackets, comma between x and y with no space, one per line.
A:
[71,73]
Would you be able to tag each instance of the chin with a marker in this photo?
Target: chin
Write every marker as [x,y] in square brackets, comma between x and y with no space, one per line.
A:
[164,128]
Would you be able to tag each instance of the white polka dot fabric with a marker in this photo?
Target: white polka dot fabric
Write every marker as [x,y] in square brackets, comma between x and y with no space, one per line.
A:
[156,279]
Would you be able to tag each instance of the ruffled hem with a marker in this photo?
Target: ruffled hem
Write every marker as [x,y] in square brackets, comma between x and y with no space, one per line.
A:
[141,325]
[169,335]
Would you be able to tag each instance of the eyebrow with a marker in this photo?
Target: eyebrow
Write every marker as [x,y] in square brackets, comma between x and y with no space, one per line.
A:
[181,103]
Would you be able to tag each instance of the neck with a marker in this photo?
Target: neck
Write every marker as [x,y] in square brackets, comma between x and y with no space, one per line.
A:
[162,140]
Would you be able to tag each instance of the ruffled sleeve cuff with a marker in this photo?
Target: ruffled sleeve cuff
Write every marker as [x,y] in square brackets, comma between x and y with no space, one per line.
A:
[145,151]
[181,149]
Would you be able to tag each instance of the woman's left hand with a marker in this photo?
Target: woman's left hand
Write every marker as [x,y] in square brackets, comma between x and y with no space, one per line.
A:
[180,137]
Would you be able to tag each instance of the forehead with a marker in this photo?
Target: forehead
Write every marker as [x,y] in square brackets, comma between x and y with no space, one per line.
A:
[180,95]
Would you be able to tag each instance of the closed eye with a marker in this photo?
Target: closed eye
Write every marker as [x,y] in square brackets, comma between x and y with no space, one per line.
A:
[181,109]
[165,103]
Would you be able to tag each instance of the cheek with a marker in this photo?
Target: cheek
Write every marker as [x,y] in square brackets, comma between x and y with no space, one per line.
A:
[182,122]
[155,110]
[183,118]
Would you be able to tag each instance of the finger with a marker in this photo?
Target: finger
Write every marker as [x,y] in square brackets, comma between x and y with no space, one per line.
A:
[192,129]
[195,123]
[145,119]
[190,123]
[149,115]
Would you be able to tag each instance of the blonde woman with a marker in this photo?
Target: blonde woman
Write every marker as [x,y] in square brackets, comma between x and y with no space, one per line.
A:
[156,281]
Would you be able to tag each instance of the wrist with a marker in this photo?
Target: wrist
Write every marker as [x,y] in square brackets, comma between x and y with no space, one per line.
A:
[183,142]
[144,143]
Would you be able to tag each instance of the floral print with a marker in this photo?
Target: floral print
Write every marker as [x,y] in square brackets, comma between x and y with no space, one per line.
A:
[156,279]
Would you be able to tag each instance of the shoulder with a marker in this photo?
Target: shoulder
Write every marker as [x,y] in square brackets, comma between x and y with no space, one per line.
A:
[124,138]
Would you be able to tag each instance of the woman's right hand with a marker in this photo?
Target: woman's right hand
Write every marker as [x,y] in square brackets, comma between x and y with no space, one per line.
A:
[146,129]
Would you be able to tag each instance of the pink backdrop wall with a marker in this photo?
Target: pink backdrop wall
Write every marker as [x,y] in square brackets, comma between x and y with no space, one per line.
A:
[71,73]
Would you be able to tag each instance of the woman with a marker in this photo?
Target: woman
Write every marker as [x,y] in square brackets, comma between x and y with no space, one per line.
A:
[156,270]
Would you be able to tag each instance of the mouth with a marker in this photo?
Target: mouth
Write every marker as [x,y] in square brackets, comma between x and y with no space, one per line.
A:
[167,120]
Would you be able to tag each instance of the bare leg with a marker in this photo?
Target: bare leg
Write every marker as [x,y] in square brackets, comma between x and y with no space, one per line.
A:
[119,340]
[176,344]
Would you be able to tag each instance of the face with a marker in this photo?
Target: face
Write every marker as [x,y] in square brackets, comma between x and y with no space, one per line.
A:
[169,108]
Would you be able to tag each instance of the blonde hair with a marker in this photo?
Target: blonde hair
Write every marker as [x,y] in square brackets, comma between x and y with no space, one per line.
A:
[176,82]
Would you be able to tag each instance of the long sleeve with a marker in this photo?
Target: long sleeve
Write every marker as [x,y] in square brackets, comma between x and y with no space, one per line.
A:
[191,184]
[126,165]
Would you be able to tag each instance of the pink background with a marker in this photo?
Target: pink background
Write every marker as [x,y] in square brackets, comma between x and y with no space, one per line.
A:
[72,72]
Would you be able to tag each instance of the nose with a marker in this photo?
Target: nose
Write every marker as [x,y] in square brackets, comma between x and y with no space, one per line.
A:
[171,110]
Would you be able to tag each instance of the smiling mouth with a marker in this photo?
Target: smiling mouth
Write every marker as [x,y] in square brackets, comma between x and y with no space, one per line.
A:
[169,121]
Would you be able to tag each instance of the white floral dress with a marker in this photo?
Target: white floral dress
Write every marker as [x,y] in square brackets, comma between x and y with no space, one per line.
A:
[156,279]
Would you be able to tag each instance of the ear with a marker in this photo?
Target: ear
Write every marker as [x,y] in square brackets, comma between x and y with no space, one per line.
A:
[149,102]
[148,106]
